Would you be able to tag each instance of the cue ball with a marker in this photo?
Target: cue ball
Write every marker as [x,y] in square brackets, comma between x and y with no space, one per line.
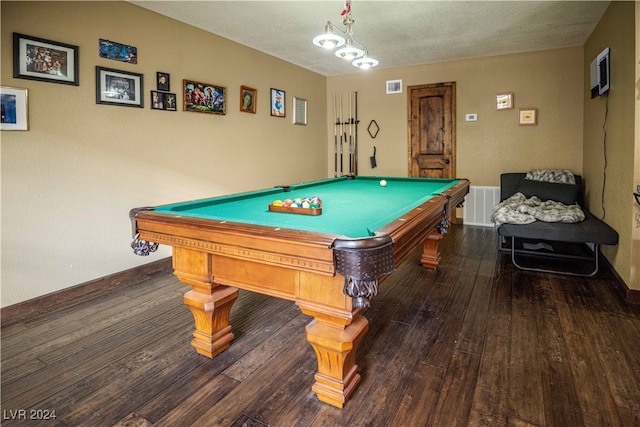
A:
[383,183]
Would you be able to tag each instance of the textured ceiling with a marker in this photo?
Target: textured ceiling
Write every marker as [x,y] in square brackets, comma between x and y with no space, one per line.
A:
[397,33]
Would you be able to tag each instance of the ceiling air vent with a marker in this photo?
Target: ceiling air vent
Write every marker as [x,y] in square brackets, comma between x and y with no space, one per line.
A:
[394,86]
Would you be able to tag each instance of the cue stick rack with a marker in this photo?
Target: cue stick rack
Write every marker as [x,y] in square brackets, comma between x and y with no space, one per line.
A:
[345,133]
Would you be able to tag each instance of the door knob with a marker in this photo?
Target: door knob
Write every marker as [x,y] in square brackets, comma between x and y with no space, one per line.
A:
[447,161]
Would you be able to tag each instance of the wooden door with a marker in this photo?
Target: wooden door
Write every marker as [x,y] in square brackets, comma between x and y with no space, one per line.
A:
[432,122]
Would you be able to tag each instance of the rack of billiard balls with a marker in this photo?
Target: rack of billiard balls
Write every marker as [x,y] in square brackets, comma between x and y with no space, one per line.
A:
[301,206]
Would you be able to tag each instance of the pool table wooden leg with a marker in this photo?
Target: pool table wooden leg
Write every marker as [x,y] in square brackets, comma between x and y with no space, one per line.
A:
[335,345]
[209,302]
[431,250]
[211,314]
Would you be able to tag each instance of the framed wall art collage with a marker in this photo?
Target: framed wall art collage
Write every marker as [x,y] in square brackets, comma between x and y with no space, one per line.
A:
[527,116]
[50,61]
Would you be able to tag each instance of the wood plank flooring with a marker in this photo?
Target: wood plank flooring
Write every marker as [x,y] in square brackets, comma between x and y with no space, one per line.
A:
[474,343]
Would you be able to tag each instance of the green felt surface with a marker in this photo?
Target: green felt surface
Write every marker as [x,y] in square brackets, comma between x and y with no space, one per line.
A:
[350,207]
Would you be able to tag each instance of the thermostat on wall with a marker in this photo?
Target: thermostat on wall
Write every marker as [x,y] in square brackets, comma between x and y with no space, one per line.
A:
[471,117]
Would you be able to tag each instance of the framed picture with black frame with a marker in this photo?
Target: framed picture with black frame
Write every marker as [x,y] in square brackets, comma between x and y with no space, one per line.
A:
[163,80]
[117,87]
[163,101]
[278,103]
[44,60]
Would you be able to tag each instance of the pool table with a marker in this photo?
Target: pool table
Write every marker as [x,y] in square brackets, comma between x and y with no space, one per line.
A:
[330,263]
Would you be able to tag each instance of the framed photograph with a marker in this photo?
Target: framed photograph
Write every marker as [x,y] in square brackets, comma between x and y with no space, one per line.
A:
[248,99]
[115,87]
[118,51]
[528,116]
[504,101]
[163,101]
[163,81]
[44,60]
[14,103]
[204,97]
[277,103]
[299,111]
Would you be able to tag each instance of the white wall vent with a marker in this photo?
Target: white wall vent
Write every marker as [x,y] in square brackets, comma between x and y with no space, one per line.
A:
[479,204]
[394,86]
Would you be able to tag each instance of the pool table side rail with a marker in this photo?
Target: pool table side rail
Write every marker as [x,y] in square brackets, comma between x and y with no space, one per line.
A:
[305,250]
[298,249]
[415,226]
[279,190]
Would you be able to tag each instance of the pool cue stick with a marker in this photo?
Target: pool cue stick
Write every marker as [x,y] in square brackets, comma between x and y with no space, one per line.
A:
[350,139]
[341,135]
[355,138]
[335,137]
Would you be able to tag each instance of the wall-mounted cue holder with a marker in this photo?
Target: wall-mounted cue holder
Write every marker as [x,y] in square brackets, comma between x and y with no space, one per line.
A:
[345,134]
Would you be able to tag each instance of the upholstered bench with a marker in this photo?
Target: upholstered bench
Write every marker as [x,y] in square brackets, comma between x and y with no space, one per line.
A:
[575,241]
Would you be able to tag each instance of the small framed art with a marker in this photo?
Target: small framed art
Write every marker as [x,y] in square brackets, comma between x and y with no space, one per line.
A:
[163,101]
[528,116]
[44,60]
[115,87]
[248,99]
[118,51]
[504,101]
[204,97]
[163,81]
[278,103]
[15,108]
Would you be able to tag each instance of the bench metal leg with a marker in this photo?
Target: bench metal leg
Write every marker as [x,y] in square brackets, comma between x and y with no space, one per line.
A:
[542,270]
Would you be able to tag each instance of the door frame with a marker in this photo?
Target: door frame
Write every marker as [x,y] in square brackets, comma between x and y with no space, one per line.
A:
[410,90]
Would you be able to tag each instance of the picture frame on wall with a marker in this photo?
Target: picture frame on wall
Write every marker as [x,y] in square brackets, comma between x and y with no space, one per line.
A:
[117,51]
[14,104]
[117,87]
[163,80]
[504,101]
[163,101]
[278,103]
[204,97]
[248,99]
[44,60]
[528,116]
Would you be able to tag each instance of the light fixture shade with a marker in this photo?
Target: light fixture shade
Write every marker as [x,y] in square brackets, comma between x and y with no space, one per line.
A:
[358,56]
[328,40]
[365,63]
[349,53]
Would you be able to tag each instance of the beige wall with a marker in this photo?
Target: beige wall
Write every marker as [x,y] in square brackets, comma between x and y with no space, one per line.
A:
[615,30]
[68,183]
[550,81]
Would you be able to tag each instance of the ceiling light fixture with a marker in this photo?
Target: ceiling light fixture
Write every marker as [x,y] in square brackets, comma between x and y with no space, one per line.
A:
[353,50]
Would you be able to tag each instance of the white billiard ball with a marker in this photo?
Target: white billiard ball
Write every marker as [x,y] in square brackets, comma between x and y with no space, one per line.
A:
[383,183]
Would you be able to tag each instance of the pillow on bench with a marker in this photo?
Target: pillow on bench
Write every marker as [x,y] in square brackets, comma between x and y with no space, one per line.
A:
[564,193]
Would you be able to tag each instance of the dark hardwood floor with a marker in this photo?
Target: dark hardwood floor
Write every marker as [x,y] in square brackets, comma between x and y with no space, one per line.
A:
[475,343]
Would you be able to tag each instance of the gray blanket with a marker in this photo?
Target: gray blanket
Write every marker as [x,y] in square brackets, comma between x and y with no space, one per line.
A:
[517,209]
